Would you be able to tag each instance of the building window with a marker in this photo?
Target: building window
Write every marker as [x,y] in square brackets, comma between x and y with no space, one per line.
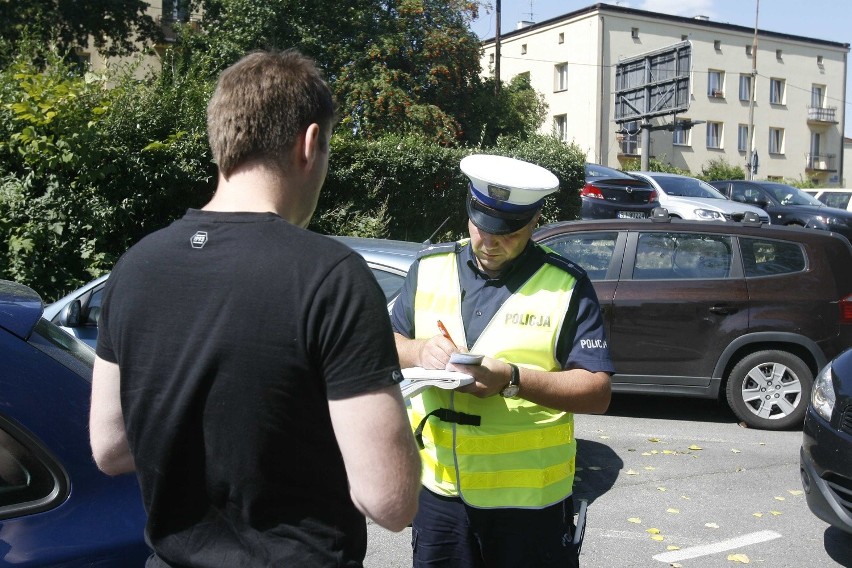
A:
[742,138]
[715,83]
[776,140]
[819,60]
[560,82]
[523,49]
[717,45]
[778,54]
[817,96]
[561,37]
[745,87]
[714,135]
[629,140]
[491,58]
[776,91]
[748,50]
[560,127]
[634,33]
[680,136]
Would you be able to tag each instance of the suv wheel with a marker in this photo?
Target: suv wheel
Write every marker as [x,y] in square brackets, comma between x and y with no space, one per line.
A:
[770,390]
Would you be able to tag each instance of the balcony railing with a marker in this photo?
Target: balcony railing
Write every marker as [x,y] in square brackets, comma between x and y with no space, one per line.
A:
[821,162]
[822,114]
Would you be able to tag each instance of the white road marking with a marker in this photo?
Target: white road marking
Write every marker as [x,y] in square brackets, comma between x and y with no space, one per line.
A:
[704,550]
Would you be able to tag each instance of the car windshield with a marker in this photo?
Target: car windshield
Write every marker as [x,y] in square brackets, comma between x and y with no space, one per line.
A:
[789,195]
[687,187]
[595,171]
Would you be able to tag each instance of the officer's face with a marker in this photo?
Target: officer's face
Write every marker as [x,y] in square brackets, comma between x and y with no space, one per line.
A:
[494,252]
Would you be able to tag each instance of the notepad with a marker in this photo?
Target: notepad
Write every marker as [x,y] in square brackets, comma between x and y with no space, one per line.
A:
[416,379]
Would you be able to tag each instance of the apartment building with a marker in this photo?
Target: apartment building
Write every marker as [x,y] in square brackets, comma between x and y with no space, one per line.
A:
[168,14]
[798,112]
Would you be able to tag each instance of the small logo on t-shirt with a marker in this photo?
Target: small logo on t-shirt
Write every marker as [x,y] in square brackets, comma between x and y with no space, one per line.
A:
[199,239]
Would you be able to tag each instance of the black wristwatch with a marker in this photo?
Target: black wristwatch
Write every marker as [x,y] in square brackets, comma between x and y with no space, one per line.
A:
[511,390]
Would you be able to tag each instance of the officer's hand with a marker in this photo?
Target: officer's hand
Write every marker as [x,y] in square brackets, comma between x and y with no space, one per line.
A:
[435,352]
[490,377]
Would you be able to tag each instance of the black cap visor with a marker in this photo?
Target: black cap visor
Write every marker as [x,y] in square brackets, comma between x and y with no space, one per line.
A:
[494,221]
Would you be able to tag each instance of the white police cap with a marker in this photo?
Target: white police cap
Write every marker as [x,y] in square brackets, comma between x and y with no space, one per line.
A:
[505,193]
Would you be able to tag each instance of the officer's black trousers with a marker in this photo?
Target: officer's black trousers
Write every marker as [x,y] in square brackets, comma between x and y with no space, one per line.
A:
[447,533]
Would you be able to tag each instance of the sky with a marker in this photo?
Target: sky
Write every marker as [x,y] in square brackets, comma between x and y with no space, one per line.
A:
[824,19]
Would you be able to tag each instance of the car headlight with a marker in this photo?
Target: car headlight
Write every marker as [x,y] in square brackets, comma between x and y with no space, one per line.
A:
[827,220]
[823,395]
[709,215]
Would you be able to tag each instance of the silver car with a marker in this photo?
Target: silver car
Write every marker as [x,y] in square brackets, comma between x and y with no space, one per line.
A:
[690,198]
[78,312]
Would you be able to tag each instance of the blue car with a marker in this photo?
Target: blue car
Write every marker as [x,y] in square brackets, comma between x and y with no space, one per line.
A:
[826,453]
[56,507]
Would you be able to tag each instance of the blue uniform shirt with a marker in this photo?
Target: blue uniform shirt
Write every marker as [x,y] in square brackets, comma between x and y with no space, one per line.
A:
[582,341]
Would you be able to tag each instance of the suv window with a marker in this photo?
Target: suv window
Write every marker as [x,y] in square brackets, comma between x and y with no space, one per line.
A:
[765,258]
[673,256]
[592,251]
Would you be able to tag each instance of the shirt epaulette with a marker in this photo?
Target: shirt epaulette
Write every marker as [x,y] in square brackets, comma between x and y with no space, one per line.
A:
[439,248]
[568,266]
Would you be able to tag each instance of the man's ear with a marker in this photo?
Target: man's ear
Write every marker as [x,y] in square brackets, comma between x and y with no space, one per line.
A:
[311,144]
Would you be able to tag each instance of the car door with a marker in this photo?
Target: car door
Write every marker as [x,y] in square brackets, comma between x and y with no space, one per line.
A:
[681,300]
[753,194]
[600,254]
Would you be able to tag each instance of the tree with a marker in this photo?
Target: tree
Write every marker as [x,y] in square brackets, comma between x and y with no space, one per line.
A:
[114,26]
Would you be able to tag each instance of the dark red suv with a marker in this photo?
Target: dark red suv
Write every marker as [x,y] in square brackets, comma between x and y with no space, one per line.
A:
[744,311]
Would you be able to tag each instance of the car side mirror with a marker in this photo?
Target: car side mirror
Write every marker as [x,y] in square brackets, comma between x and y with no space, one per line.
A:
[70,314]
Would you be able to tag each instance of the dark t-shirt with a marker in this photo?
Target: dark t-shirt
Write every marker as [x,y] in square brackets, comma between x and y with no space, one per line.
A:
[232,331]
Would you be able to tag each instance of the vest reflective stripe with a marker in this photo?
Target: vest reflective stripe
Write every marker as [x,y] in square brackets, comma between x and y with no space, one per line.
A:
[522,455]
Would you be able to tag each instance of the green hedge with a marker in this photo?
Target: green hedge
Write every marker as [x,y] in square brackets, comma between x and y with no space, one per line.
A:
[90,164]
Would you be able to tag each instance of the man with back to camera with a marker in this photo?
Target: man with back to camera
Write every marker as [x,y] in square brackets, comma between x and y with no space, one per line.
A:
[498,455]
[246,368]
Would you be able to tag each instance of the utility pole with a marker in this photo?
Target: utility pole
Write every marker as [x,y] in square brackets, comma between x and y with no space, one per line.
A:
[750,166]
[497,52]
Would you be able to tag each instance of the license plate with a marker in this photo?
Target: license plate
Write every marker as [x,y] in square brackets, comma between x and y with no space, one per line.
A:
[630,215]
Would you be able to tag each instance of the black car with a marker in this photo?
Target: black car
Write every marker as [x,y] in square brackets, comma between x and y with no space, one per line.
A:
[788,205]
[613,194]
[826,454]
[741,311]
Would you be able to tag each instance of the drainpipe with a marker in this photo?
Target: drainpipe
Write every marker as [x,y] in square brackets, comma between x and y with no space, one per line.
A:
[603,129]
[750,139]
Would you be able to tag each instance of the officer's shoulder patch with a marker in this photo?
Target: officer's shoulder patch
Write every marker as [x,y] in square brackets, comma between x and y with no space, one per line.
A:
[439,248]
[559,261]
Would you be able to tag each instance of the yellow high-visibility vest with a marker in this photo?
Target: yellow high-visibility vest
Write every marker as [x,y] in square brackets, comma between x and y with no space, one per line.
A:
[521,454]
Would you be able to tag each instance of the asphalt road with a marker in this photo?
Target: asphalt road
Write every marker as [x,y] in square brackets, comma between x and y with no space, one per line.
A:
[678,482]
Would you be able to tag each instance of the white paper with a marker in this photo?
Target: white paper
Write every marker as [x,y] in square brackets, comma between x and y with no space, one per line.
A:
[417,379]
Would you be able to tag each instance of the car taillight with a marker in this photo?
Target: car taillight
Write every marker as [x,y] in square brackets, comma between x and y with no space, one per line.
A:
[654,196]
[591,191]
[846,309]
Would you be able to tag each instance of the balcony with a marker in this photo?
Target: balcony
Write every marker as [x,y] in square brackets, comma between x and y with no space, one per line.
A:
[820,163]
[822,115]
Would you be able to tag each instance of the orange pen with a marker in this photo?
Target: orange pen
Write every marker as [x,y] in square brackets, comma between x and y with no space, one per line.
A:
[444,331]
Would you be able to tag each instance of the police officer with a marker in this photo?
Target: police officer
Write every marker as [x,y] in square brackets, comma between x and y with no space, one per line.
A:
[498,454]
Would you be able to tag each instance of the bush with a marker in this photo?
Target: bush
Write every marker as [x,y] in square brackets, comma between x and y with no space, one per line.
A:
[409,188]
[720,169]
